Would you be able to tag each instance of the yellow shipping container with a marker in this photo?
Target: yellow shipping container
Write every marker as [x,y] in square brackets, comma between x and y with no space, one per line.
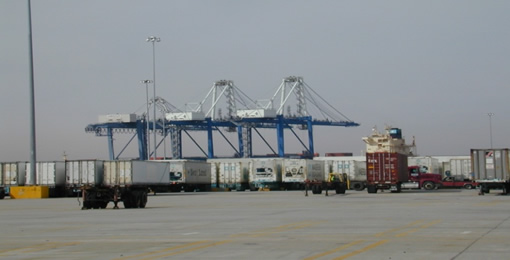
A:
[29,192]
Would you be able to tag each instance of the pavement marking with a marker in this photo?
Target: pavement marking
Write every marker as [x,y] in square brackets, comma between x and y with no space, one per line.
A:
[188,250]
[364,249]
[403,234]
[334,250]
[489,203]
[273,230]
[162,250]
[399,228]
[39,247]
[192,246]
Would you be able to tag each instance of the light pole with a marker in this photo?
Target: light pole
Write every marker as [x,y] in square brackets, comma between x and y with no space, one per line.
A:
[154,39]
[147,82]
[33,157]
[490,114]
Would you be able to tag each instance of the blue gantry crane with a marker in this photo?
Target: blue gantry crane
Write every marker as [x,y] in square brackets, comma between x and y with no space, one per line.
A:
[243,115]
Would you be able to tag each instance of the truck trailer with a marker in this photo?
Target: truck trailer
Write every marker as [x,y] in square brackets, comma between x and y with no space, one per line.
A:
[266,173]
[491,169]
[189,176]
[128,181]
[303,173]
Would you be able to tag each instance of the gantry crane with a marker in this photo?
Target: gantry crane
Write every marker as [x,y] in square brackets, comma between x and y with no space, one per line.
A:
[243,116]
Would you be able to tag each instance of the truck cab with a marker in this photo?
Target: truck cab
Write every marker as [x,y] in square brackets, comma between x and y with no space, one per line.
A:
[419,178]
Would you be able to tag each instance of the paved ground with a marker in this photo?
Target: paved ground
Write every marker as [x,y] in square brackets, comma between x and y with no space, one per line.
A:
[442,224]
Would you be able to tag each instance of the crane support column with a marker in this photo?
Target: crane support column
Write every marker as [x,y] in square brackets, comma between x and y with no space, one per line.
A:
[310,136]
[176,142]
[110,143]
[240,140]
[210,138]
[279,132]
[142,143]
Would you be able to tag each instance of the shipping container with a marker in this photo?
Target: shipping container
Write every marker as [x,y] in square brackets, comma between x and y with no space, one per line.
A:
[132,172]
[460,169]
[232,173]
[386,171]
[84,173]
[430,163]
[266,173]
[50,174]
[354,166]
[491,169]
[296,172]
[13,174]
[189,175]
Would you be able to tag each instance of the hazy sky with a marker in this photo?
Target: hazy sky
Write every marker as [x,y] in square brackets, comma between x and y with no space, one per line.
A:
[433,68]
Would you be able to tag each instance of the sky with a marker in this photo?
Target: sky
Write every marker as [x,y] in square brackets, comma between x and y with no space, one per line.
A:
[434,68]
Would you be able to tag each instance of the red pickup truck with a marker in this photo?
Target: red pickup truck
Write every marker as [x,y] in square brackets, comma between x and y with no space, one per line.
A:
[452,182]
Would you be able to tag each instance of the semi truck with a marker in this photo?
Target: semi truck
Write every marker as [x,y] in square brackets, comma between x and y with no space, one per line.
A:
[389,171]
[419,177]
[491,169]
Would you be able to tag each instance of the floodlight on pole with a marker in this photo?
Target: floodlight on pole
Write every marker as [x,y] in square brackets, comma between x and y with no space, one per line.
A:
[148,143]
[154,39]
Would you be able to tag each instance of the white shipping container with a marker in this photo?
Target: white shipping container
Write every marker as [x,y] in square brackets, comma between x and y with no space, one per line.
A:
[117,118]
[214,175]
[190,172]
[256,113]
[432,164]
[232,173]
[266,172]
[356,170]
[460,168]
[132,172]
[13,173]
[118,173]
[47,174]
[84,172]
[491,164]
[185,116]
[299,170]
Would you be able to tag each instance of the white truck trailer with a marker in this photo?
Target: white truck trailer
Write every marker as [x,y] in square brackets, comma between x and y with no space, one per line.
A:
[266,173]
[491,169]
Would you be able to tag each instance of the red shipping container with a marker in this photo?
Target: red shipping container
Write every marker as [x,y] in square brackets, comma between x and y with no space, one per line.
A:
[386,168]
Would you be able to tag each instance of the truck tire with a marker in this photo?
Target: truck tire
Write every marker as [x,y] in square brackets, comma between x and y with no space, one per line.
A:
[358,186]
[468,186]
[428,185]
[2,194]
[371,189]
[340,189]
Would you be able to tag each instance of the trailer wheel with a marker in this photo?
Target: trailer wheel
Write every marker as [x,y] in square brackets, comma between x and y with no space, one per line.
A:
[371,189]
[319,189]
[2,195]
[358,186]
[340,189]
[428,185]
[468,186]
[143,200]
